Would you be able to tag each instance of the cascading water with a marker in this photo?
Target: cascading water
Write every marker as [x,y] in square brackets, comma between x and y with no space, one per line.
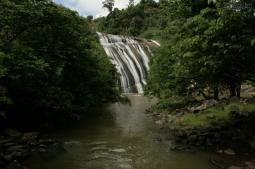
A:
[131,57]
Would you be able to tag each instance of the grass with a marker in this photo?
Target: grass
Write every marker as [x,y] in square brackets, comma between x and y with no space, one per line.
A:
[215,115]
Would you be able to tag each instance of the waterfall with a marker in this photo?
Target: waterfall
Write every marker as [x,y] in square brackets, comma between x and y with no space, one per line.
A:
[131,57]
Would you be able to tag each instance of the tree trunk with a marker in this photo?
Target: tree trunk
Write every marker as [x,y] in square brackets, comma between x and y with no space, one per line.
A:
[232,90]
[235,90]
[238,90]
[216,93]
[203,94]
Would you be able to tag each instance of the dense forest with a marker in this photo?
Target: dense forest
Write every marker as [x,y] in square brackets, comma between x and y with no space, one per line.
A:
[51,63]
[194,58]
[207,46]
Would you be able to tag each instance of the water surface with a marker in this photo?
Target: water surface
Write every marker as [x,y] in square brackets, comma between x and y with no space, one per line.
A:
[119,137]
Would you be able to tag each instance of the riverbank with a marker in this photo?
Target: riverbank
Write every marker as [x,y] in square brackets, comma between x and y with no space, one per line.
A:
[16,147]
[225,127]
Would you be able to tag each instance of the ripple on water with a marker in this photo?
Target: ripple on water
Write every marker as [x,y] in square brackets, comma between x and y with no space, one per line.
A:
[98,148]
[96,143]
[102,154]
[126,141]
[118,150]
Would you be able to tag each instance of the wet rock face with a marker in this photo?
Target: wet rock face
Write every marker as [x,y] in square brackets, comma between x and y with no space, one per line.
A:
[205,137]
[14,150]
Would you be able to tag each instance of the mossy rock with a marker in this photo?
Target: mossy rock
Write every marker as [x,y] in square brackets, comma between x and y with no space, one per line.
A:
[234,109]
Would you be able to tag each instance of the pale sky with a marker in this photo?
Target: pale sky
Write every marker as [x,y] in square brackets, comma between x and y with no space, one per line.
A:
[91,7]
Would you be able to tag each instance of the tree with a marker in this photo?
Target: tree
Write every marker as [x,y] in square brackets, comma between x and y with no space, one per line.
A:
[131,3]
[90,18]
[51,63]
[109,4]
[210,51]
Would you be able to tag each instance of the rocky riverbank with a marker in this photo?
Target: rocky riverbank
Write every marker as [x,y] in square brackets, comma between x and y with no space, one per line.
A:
[227,128]
[14,150]
[211,123]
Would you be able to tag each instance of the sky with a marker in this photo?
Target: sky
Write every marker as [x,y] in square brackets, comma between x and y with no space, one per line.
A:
[91,7]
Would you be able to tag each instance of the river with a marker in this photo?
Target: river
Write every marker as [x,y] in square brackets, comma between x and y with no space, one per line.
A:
[119,137]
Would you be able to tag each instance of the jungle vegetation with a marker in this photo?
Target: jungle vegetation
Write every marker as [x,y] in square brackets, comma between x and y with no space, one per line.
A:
[51,64]
[207,47]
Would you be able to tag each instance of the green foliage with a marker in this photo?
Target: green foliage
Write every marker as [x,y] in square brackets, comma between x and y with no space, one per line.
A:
[171,104]
[131,21]
[147,16]
[207,46]
[217,115]
[51,62]
[131,3]
[210,51]
[108,4]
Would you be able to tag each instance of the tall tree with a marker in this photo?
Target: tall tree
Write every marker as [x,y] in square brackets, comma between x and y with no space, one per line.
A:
[51,62]
[109,4]
[131,3]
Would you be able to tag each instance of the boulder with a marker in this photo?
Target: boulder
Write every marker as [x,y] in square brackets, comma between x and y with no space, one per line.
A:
[157,140]
[182,110]
[250,165]
[46,142]
[216,135]
[159,122]
[177,148]
[211,116]
[148,111]
[173,148]
[30,137]
[8,144]
[16,165]
[217,163]
[57,147]
[234,99]
[220,151]
[181,134]
[209,142]
[16,148]
[205,105]
[235,167]
[193,138]
[229,152]
[4,141]
[12,133]
[234,110]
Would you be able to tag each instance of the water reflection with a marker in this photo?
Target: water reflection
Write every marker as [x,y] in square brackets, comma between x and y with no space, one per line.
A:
[119,137]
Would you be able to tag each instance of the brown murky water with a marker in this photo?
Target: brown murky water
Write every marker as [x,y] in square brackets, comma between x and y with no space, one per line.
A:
[119,137]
